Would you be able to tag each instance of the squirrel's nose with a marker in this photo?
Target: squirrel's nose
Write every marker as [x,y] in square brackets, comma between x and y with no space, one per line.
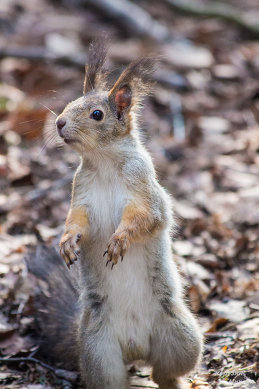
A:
[60,123]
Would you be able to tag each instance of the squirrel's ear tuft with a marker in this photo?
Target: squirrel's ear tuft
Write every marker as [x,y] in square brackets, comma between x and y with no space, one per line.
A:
[95,77]
[133,84]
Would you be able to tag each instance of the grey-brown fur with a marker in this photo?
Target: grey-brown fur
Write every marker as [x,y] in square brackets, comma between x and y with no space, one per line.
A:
[130,309]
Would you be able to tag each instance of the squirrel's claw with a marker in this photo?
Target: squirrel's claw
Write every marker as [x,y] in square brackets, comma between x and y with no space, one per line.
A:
[117,247]
[110,259]
[78,237]
[69,248]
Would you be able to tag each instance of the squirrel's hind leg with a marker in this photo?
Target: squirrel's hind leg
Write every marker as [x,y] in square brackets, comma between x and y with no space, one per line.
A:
[101,362]
[176,346]
[167,383]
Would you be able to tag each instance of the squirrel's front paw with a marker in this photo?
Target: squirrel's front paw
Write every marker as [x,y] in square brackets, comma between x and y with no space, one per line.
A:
[117,247]
[69,248]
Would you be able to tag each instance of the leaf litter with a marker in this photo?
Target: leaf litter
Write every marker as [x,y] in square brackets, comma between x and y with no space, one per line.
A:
[201,126]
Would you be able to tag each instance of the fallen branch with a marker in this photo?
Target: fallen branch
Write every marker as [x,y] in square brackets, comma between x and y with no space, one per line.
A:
[38,193]
[70,376]
[39,54]
[219,10]
[35,195]
[131,18]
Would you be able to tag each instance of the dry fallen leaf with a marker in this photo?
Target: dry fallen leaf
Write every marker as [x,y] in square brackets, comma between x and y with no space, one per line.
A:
[219,322]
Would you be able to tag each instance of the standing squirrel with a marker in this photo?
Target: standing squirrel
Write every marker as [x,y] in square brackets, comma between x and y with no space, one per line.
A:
[125,301]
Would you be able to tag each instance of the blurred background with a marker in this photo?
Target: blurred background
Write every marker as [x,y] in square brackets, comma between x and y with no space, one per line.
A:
[201,127]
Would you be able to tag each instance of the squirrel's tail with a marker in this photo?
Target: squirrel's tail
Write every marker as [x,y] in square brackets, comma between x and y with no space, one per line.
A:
[57,309]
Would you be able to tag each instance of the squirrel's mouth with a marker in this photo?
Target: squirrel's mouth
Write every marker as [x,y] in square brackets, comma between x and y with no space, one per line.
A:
[69,141]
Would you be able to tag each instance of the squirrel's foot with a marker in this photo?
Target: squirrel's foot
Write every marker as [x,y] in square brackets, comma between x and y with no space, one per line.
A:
[69,248]
[117,248]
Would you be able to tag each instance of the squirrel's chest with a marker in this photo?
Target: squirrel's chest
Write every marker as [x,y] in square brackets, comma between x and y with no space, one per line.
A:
[105,200]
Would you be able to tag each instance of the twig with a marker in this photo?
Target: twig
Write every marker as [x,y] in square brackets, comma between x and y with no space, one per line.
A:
[66,384]
[210,336]
[70,376]
[143,386]
[178,118]
[219,10]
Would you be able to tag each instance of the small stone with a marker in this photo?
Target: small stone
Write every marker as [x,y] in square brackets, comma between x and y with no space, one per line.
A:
[183,248]
[188,56]
[226,72]
[213,124]
[233,310]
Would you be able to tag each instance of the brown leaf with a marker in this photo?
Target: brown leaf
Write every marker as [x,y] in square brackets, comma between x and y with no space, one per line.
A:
[6,329]
[14,344]
[217,324]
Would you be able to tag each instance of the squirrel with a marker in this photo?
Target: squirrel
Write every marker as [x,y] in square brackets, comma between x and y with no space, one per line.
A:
[123,299]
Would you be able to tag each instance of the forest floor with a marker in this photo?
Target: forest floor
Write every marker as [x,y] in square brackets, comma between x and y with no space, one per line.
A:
[201,127]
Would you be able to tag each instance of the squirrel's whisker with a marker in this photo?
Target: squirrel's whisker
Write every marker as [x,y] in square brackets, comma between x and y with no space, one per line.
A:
[49,109]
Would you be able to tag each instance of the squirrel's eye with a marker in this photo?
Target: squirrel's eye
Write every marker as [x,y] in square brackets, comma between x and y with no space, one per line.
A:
[97,115]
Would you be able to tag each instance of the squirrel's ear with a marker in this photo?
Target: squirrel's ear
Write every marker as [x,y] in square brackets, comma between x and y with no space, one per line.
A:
[122,99]
[95,77]
[132,85]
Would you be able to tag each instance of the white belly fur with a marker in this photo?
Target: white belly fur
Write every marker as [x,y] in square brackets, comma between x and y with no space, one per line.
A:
[128,287]
[130,296]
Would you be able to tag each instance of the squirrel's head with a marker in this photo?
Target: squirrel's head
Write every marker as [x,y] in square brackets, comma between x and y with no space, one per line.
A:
[103,116]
